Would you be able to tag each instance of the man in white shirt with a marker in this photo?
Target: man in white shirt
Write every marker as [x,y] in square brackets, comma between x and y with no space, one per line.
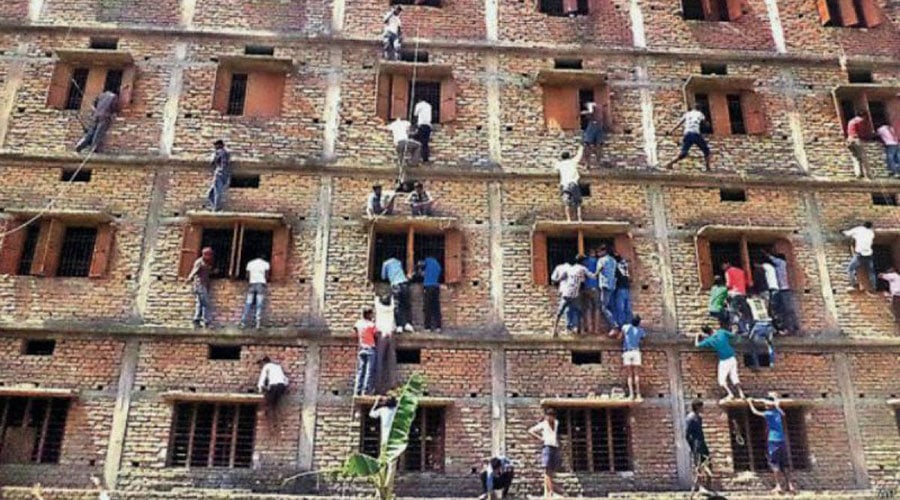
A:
[391,35]
[568,182]
[692,121]
[862,236]
[409,151]
[570,278]
[893,281]
[422,113]
[257,272]
[272,381]
[888,136]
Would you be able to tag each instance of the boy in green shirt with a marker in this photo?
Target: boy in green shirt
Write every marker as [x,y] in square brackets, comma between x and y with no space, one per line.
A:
[717,296]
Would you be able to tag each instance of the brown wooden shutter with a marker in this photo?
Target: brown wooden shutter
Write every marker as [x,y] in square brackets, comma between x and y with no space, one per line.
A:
[868,129]
[754,113]
[58,93]
[824,13]
[705,269]
[281,244]
[265,93]
[624,246]
[718,109]
[893,109]
[711,10]
[453,249]
[871,13]
[190,249]
[102,251]
[46,255]
[126,90]
[221,89]
[745,261]
[237,248]
[795,272]
[96,81]
[735,9]
[373,272]
[539,272]
[13,245]
[561,108]
[448,100]
[570,6]
[848,13]
[383,96]
[602,97]
[399,97]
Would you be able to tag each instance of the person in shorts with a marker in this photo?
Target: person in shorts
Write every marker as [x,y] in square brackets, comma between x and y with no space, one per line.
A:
[569,176]
[632,335]
[720,341]
[692,136]
[594,134]
[776,445]
[546,432]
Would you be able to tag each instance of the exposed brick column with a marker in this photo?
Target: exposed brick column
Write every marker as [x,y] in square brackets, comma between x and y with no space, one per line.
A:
[35,7]
[310,407]
[173,96]
[492,68]
[664,258]
[647,123]
[676,389]
[851,420]
[498,401]
[775,23]
[337,16]
[14,76]
[187,13]
[817,240]
[490,19]
[637,25]
[120,414]
[495,201]
[151,240]
[331,113]
[795,122]
[320,260]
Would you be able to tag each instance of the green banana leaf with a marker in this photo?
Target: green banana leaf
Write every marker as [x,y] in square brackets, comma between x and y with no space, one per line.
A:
[359,465]
[406,412]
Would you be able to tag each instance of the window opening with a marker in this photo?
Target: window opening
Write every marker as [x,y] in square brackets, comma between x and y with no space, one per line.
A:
[237,94]
[44,347]
[77,251]
[386,247]
[736,114]
[32,235]
[594,440]
[113,81]
[702,100]
[255,243]
[77,84]
[212,435]
[429,245]
[220,240]
[431,93]
[586,357]
[31,430]
[224,352]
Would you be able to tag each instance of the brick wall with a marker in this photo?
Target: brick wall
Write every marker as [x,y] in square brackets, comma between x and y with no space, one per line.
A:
[666,27]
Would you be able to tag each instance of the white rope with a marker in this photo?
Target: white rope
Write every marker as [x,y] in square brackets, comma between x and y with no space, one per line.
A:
[411,104]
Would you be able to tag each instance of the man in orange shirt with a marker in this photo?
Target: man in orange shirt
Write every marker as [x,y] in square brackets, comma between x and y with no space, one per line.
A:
[736,282]
[854,142]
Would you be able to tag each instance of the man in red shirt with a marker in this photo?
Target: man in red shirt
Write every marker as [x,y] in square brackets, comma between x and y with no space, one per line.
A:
[855,131]
[365,360]
[736,282]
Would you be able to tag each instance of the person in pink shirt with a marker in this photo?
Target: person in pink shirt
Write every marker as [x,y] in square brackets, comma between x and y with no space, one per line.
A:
[893,281]
[736,282]
[888,136]
[855,128]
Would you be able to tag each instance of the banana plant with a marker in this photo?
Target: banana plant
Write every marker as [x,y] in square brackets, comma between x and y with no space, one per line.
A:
[381,471]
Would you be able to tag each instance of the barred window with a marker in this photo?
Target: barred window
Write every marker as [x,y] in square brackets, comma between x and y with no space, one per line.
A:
[212,435]
[237,93]
[77,251]
[77,84]
[595,440]
[253,243]
[55,246]
[32,429]
[749,436]
[425,452]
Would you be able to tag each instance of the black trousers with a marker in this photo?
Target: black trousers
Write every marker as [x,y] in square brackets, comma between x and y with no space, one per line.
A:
[432,307]
[423,135]
[402,315]
[501,482]
[273,393]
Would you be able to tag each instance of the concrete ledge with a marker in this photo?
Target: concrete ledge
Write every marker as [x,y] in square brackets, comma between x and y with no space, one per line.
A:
[37,392]
[214,397]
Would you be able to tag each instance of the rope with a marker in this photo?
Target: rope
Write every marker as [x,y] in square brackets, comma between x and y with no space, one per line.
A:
[411,104]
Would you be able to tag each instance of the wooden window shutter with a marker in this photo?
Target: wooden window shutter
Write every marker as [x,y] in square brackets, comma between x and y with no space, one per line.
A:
[539,271]
[46,255]
[220,91]
[58,92]
[373,273]
[848,13]
[754,113]
[383,96]
[453,247]
[94,87]
[448,100]
[561,108]
[190,249]
[281,243]
[718,108]
[265,93]
[893,109]
[102,251]
[570,6]
[745,261]
[735,9]
[871,13]
[705,269]
[624,246]
[602,97]
[410,264]
[126,92]
[711,10]
[795,273]
[399,97]
[895,253]
[237,248]
[824,13]
[13,245]
[867,130]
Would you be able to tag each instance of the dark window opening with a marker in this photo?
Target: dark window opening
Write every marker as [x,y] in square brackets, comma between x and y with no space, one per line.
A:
[764,360]
[560,250]
[255,243]
[42,347]
[736,114]
[429,245]
[75,175]
[834,12]
[259,50]
[388,246]
[860,11]
[369,435]
[722,10]
[31,429]
[409,356]
[76,88]
[897,418]
[848,111]
[103,43]
[113,81]
[585,96]
[237,93]
[692,10]
[414,56]
[594,243]
[713,69]
[568,64]
[426,3]
[212,435]
[77,252]
[557,8]
[878,113]
[425,452]
[749,440]
[243,181]
[594,440]
[431,93]
[586,357]
[732,195]
[585,190]
[32,235]
[224,352]
[723,252]
[886,199]
[860,76]
[702,100]
[882,260]
[220,240]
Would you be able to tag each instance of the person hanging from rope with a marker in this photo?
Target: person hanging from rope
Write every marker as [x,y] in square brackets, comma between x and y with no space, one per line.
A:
[105,107]
[392,32]
[221,163]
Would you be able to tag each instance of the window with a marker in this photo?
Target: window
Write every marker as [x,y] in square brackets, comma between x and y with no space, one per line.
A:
[749,440]
[702,100]
[565,99]
[567,64]
[425,451]
[81,76]
[885,199]
[38,347]
[32,429]
[224,352]
[564,8]
[241,181]
[586,357]
[735,114]
[77,84]
[212,435]
[445,246]
[713,69]
[594,440]
[409,356]
[860,76]
[396,93]
[897,418]
[741,250]
[259,50]
[738,195]
[882,259]
[236,244]
[104,43]
[237,93]
[413,56]
[54,247]
[430,92]
[75,175]
[763,357]
[882,106]
[732,112]
[251,86]
[850,13]
[426,3]
[712,10]
[557,247]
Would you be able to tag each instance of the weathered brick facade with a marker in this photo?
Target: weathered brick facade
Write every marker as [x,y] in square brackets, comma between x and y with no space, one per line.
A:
[125,352]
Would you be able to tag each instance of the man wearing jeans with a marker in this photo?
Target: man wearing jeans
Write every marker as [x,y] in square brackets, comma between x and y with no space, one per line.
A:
[570,278]
[430,270]
[692,136]
[862,236]
[783,299]
[888,136]
[622,296]
[606,272]
[257,270]
[392,271]
[221,164]
[854,142]
[200,277]
[365,359]
[105,108]
[422,113]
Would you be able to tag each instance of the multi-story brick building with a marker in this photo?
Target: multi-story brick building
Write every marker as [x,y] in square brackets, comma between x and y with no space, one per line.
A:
[101,374]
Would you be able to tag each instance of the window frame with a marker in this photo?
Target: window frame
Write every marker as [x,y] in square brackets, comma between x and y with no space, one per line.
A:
[367,443]
[98,63]
[39,450]
[567,8]
[393,90]
[850,13]
[715,11]
[858,97]
[265,88]
[623,243]
[174,435]
[779,239]
[612,458]
[453,246]
[48,248]
[192,239]
[796,448]
[561,91]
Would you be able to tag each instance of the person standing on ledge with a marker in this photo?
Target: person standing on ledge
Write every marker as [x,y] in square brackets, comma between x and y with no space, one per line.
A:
[200,277]
[568,182]
[392,31]
[776,449]
[692,136]
[221,164]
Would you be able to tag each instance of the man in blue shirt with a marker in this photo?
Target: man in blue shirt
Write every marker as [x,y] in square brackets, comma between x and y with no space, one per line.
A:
[392,271]
[430,271]
[720,341]
[632,335]
[590,296]
[776,449]
[606,271]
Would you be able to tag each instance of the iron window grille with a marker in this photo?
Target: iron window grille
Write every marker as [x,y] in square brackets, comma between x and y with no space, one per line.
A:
[212,435]
[77,84]
[32,429]
[595,440]
[237,94]
[77,251]
[749,440]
